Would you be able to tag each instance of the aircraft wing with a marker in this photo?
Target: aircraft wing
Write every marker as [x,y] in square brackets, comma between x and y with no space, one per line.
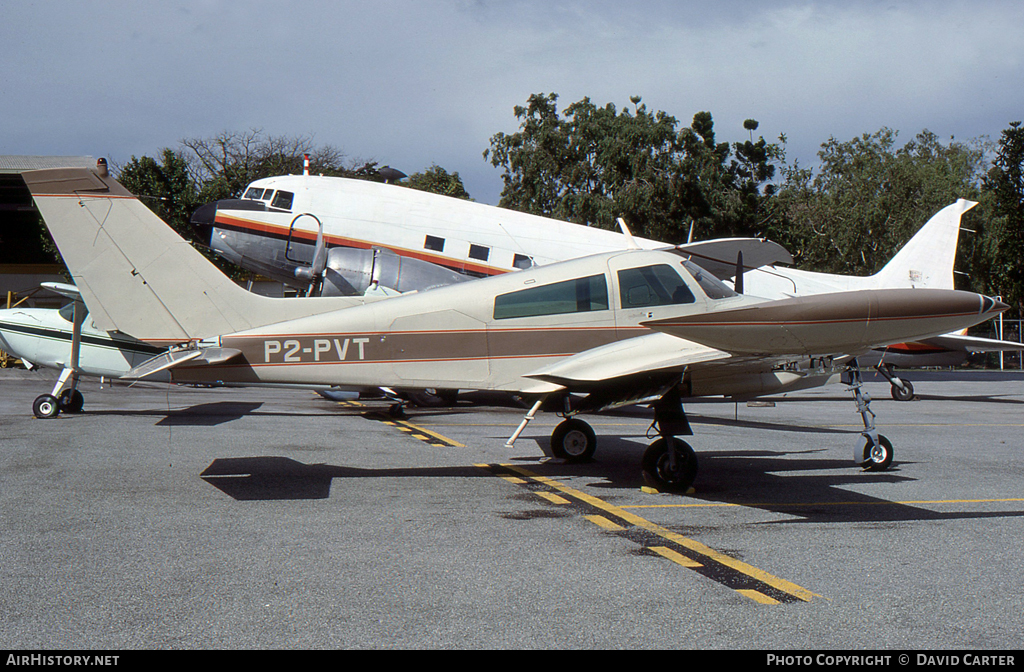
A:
[718,257]
[972,343]
[647,355]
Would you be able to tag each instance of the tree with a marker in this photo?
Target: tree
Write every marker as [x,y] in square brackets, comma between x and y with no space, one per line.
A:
[593,164]
[166,187]
[869,197]
[222,166]
[437,180]
[1003,248]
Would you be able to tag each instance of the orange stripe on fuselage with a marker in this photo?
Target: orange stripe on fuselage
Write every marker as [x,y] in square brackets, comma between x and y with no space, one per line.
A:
[257,228]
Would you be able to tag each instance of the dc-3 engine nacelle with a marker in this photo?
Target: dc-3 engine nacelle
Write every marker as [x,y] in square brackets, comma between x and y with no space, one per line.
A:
[351,272]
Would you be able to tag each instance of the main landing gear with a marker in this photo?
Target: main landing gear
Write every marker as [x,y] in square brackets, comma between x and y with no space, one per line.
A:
[669,464]
[64,398]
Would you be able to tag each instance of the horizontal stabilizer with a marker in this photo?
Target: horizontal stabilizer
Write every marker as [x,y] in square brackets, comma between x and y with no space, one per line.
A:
[973,343]
[69,291]
[842,322]
[173,358]
[718,257]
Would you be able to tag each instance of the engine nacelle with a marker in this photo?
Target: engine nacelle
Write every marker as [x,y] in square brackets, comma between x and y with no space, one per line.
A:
[350,272]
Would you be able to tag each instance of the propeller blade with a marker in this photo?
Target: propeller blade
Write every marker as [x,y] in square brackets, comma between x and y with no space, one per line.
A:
[738,282]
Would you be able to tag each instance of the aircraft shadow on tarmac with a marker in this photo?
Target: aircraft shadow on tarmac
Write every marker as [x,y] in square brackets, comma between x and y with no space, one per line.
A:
[208,415]
[268,478]
[779,482]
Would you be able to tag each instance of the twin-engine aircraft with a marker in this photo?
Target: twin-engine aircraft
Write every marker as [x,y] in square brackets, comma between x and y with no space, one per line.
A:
[384,237]
[591,333]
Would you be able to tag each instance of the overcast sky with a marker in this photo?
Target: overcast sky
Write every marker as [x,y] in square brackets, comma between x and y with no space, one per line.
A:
[412,83]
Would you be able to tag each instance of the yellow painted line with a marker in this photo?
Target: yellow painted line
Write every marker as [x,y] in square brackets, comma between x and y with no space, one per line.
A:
[695,546]
[513,480]
[554,499]
[676,557]
[442,439]
[793,505]
[604,523]
[758,597]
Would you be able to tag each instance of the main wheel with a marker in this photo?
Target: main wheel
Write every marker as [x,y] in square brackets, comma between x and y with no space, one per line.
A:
[905,393]
[574,441]
[46,406]
[878,458]
[71,401]
[659,471]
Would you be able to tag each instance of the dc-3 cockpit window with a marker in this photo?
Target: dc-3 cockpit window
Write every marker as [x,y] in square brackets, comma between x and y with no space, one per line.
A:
[712,286]
[581,295]
[253,193]
[283,200]
[658,285]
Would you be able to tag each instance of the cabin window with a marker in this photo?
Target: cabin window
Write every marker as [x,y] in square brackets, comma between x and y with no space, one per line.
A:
[658,285]
[580,295]
[712,286]
[479,252]
[434,243]
[254,194]
[521,261]
[283,200]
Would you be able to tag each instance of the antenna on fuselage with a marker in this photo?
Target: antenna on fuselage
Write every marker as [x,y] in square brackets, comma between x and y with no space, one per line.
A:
[630,242]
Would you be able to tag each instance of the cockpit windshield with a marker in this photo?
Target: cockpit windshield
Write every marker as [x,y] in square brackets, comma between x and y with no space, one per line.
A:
[68,312]
[712,286]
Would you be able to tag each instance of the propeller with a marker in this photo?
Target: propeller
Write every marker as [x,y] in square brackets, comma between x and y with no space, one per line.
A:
[314,273]
[738,281]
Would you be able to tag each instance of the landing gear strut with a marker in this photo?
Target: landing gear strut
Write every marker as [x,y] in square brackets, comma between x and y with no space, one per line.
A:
[670,464]
[65,395]
[902,389]
[878,453]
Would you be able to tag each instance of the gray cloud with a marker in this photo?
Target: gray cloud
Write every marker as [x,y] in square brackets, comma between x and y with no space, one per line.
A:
[412,83]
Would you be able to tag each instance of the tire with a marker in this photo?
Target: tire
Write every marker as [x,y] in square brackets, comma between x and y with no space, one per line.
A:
[905,393]
[46,406]
[880,461]
[660,476]
[573,441]
[71,401]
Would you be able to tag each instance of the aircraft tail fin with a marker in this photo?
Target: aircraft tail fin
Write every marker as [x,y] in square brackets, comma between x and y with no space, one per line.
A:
[139,277]
[927,259]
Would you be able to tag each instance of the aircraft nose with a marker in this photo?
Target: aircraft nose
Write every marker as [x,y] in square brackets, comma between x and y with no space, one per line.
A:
[997,305]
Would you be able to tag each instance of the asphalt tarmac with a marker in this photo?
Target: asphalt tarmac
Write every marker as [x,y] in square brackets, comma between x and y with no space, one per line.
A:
[170,517]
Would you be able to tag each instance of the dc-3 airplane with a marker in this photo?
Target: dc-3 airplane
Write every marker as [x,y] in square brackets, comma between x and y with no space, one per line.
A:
[394,238]
[590,333]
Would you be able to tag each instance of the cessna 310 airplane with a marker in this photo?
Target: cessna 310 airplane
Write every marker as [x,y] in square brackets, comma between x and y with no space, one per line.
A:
[402,239]
[595,332]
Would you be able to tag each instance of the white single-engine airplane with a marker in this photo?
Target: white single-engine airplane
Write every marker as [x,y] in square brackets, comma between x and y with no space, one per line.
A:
[395,237]
[604,330]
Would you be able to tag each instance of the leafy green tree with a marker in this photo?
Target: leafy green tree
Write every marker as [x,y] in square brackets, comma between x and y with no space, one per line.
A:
[437,180]
[869,197]
[1003,246]
[593,164]
[166,187]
